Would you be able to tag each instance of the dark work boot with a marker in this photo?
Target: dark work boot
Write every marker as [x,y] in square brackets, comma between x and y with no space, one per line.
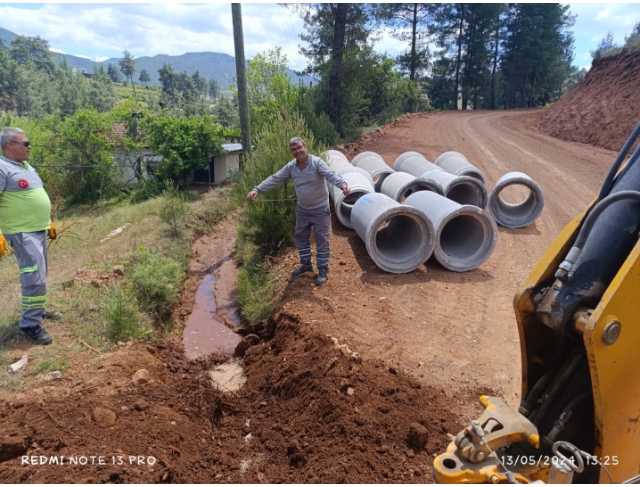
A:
[322,277]
[36,334]
[301,270]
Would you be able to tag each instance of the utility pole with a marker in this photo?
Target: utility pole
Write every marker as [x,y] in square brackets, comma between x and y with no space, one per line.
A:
[241,76]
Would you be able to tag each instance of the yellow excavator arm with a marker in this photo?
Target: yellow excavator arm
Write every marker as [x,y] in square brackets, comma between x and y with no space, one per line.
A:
[578,317]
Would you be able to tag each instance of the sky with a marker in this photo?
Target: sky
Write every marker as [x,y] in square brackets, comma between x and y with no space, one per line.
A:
[101,31]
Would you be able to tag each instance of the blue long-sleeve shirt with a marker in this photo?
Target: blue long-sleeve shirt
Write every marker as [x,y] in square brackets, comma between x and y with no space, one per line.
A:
[309,181]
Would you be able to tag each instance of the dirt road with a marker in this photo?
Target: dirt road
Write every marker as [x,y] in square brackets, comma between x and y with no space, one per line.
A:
[449,329]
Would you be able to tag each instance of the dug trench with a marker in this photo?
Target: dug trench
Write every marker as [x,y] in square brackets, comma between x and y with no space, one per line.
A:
[310,411]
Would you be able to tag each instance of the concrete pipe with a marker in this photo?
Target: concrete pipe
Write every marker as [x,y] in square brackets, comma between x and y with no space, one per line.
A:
[344,170]
[336,163]
[521,213]
[364,155]
[360,185]
[399,238]
[334,154]
[465,235]
[464,190]
[399,185]
[416,165]
[457,164]
[375,166]
[403,156]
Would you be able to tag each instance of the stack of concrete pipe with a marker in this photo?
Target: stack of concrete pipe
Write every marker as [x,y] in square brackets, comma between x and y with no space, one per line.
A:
[375,166]
[460,188]
[359,181]
[465,234]
[418,208]
[400,185]
[399,238]
[456,163]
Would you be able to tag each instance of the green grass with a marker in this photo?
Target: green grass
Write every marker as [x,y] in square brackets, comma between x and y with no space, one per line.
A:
[90,313]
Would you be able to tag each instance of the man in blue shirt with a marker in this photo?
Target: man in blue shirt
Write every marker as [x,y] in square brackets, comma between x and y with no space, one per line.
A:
[308,174]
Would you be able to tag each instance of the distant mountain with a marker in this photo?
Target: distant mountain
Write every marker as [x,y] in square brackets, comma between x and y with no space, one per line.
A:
[6,36]
[211,65]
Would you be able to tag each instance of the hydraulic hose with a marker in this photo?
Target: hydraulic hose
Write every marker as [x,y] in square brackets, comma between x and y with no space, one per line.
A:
[564,271]
[608,182]
[632,160]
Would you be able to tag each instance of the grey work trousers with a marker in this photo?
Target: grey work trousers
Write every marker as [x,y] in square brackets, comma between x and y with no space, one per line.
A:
[319,220]
[30,250]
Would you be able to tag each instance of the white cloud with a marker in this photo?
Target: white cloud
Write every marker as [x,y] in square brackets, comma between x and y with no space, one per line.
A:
[59,51]
[99,30]
[604,14]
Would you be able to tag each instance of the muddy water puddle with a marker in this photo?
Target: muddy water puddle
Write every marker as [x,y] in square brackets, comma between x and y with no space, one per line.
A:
[215,311]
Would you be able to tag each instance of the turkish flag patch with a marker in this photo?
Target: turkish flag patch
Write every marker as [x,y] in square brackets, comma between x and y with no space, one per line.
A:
[23,184]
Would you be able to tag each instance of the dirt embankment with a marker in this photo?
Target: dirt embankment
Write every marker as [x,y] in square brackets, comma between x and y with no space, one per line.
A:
[603,108]
[308,413]
[311,411]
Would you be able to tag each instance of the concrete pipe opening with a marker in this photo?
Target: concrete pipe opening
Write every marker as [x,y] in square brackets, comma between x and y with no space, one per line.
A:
[516,201]
[400,185]
[455,163]
[468,193]
[464,190]
[465,235]
[398,238]
[462,238]
[378,180]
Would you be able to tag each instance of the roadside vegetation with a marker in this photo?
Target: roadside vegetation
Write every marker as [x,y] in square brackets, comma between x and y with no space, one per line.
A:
[608,47]
[100,306]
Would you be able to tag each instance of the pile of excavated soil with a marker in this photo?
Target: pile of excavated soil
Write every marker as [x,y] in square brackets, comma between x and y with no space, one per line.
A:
[352,149]
[308,413]
[603,108]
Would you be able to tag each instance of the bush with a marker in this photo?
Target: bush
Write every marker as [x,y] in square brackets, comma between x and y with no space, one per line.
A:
[149,188]
[123,316]
[255,295]
[156,282]
[174,210]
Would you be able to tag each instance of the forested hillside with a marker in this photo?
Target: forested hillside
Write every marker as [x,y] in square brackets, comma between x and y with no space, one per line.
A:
[458,56]
[211,65]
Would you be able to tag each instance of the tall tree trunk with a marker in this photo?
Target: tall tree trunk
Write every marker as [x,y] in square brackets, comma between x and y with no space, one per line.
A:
[524,91]
[533,89]
[493,71]
[133,86]
[475,97]
[414,54]
[458,59]
[467,69]
[339,30]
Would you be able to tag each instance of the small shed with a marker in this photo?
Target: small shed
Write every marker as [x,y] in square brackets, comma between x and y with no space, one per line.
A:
[222,166]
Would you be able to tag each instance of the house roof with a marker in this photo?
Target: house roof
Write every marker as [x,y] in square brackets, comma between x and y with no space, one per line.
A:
[229,147]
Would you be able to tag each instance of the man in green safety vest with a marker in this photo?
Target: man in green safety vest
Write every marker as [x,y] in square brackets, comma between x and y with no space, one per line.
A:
[25,222]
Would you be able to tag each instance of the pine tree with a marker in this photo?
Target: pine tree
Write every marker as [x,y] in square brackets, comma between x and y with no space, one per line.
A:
[128,67]
[144,77]
[114,73]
